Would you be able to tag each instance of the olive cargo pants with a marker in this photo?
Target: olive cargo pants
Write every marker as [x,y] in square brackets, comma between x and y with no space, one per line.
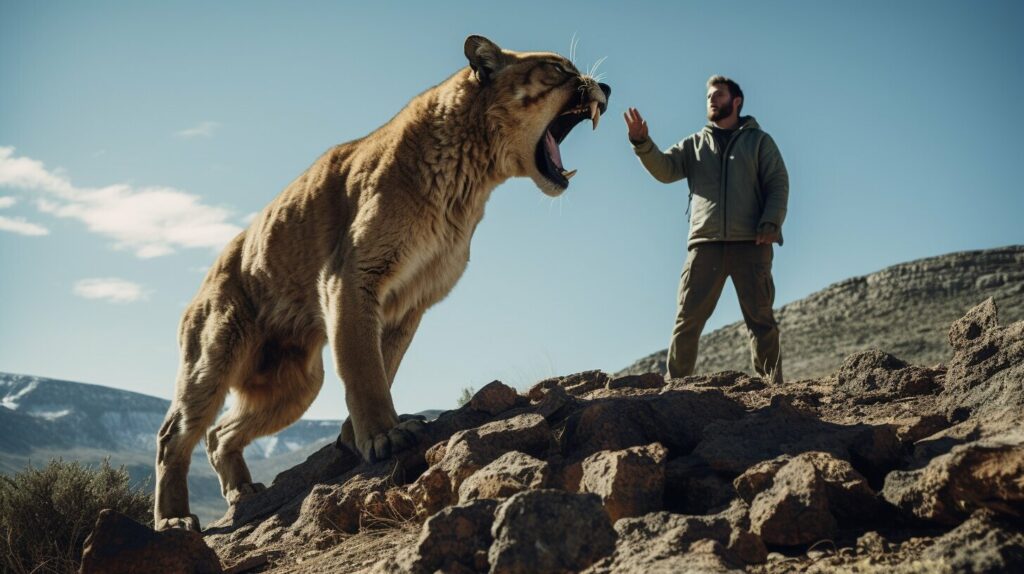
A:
[707,267]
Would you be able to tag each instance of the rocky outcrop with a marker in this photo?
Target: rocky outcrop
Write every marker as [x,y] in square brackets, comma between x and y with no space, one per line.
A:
[880,464]
[118,545]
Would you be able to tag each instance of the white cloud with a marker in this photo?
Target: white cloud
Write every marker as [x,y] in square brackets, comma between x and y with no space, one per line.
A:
[8,201]
[150,221]
[248,218]
[203,130]
[110,289]
[27,173]
[20,226]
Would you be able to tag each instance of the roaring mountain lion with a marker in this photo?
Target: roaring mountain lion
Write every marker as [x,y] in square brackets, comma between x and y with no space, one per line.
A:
[351,254]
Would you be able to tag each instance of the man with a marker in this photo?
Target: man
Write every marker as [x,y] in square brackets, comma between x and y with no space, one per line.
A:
[739,188]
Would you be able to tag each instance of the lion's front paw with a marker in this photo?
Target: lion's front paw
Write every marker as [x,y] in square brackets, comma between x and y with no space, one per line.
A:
[190,522]
[244,490]
[387,444]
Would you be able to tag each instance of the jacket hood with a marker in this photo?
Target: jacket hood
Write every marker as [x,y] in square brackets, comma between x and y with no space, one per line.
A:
[746,122]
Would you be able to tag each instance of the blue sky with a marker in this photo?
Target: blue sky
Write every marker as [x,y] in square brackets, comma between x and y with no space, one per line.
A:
[136,136]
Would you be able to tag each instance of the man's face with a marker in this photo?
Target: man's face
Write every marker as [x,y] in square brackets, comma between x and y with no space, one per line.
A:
[720,103]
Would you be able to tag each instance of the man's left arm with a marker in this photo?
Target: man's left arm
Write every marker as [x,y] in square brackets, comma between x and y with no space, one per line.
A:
[774,179]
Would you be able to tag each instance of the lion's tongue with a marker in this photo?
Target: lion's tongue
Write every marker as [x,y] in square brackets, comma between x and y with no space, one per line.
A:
[553,153]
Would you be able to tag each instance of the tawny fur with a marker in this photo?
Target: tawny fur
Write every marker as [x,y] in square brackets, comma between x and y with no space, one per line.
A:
[351,254]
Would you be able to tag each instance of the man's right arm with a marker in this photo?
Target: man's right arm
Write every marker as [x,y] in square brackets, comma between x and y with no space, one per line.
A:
[667,166]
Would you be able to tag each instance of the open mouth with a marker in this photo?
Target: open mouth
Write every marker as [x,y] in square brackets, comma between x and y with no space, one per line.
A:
[548,154]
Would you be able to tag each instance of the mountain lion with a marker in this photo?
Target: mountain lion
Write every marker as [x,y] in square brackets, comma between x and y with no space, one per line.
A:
[350,255]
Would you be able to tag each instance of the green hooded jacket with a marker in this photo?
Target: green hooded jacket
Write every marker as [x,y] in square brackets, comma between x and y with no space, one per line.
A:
[730,198]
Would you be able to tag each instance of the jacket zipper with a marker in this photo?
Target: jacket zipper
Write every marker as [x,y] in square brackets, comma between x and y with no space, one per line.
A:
[725,182]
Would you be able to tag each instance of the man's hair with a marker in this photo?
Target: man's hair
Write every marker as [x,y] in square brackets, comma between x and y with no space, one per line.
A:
[734,89]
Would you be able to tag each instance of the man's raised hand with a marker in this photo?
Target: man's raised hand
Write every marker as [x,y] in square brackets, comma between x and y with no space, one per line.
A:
[636,124]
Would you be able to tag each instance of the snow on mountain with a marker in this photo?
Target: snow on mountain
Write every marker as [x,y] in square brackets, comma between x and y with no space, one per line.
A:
[48,413]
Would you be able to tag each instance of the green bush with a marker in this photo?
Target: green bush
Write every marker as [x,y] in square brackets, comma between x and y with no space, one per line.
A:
[47,513]
[466,396]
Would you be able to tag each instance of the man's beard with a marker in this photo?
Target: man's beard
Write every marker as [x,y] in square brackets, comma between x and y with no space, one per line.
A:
[720,113]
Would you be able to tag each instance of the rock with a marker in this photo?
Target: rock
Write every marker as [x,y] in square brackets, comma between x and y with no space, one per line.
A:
[970,328]
[549,531]
[667,542]
[802,499]
[322,466]
[693,487]
[733,446]
[494,398]
[879,375]
[915,428]
[578,384]
[630,482]
[387,508]
[644,381]
[470,450]
[450,539]
[339,508]
[510,473]
[619,423]
[551,401]
[988,473]
[119,544]
[873,543]
[434,454]
[986,373]
[431,492]
[983,544]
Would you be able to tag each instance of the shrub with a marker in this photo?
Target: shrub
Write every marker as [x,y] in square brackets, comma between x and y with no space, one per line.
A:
[466,396]
[47,513]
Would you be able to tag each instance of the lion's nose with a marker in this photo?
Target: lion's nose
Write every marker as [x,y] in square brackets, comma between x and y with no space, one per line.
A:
[607,91]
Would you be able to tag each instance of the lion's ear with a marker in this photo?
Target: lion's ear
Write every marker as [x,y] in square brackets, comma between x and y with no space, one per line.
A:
[485,57]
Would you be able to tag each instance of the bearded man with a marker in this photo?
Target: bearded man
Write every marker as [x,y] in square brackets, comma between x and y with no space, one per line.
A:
[739,189]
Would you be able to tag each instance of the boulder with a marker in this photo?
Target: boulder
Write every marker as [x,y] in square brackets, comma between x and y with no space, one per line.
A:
[339,508]
[802,499]
[470,450]
[510,473]
[456,537]
[630,482]
[667,542]
[549,531]
[494,398]
[733,446]
[674,418]
[119,544]
[987,473]
[878,375]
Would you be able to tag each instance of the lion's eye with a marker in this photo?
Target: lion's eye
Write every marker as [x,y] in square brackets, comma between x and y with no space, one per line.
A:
[561,69]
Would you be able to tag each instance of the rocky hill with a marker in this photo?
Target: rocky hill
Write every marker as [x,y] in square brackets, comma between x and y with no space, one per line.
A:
[904,309]
[878,466]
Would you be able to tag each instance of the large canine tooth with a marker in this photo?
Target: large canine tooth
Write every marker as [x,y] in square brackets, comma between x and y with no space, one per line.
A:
[569,174]
[595,113]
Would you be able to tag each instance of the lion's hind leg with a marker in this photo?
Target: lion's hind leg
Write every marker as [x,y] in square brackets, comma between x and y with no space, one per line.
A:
[280,389]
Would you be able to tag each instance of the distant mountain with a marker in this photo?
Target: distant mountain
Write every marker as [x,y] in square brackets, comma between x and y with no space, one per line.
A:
[905,309]
[66,414]
[44,418]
